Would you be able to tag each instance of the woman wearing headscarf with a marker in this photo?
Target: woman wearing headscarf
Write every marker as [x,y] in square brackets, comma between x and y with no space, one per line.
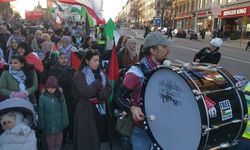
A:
[12,50]
[92,116]
[68,49]
[46,45]
[37,40]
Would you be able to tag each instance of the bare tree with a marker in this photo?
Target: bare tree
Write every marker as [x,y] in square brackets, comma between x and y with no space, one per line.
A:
[161,7]
[134,12]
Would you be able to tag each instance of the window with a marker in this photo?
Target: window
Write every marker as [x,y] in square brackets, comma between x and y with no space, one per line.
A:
[188,7]
[184,8]
[192,5]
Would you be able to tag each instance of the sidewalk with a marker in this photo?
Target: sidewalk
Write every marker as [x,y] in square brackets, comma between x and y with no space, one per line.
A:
[228,43]
[208,38]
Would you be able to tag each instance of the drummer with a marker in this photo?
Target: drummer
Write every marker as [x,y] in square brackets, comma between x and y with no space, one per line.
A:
[156,49]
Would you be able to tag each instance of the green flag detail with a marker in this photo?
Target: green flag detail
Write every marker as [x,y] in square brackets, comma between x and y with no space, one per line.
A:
[109,29]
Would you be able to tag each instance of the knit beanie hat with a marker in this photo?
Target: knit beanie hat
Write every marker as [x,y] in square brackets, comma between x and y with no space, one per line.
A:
[51,82]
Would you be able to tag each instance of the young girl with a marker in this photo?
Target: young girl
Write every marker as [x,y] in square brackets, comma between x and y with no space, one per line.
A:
[52,113]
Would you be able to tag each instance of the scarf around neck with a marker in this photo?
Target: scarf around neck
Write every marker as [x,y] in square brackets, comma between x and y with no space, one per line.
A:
[19,76]
[90,78]
[148,62]
[67,51]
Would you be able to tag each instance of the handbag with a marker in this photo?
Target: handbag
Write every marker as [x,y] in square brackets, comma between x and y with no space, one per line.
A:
[124,124]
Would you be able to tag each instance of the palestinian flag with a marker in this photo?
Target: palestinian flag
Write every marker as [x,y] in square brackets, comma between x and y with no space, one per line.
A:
[82,11]
[113,72]
[75,61]
[93,7]
[54,50]
[58,20]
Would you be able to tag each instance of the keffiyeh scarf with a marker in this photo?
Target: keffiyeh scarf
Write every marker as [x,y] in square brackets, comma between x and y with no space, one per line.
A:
[90,78]
[19,76]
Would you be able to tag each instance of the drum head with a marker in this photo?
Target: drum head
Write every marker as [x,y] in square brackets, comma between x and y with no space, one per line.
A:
[177,122]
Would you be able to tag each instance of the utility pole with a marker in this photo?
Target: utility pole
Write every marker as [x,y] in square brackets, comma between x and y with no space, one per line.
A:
[195,15]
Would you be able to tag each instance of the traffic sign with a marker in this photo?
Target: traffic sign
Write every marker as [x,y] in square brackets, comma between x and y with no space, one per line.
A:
[157,21]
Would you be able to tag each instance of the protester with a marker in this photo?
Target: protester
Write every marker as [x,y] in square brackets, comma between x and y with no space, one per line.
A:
[92,116]
[128,55]
[16,34]
[52,113]
[12,50]
[31,57]
[67,48]
[19,79]
[64,74]
[156,50]
[4,36]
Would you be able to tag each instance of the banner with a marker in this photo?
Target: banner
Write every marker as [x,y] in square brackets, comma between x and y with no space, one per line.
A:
[32,15]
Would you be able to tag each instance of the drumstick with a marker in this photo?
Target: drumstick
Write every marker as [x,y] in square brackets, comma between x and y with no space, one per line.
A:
[168,63]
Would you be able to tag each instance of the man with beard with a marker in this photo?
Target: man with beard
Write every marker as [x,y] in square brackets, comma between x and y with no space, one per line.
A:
[128,55]
[156,49]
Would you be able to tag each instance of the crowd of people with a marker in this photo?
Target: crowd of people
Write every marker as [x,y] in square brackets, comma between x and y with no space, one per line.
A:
[70,98]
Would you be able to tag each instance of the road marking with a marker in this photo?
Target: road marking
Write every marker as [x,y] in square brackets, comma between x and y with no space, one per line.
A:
[196,50]
[180,61]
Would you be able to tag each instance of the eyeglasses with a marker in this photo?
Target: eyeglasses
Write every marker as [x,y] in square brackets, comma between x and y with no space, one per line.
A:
[13,42]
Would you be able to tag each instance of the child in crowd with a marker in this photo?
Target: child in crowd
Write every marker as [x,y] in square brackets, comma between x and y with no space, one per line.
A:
[17,134]
[52,113]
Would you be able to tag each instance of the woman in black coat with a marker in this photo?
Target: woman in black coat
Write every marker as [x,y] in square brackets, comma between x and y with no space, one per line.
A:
[92,124]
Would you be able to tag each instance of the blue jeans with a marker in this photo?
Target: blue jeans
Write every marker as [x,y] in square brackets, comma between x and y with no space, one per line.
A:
[140,139]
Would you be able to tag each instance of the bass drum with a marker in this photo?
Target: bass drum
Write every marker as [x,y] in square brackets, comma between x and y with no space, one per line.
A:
[190,108]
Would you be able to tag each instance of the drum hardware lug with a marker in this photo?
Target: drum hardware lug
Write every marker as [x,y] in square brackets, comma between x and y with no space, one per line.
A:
[205,129]
[222,146]
[180,71]
[198,97]
[245,118]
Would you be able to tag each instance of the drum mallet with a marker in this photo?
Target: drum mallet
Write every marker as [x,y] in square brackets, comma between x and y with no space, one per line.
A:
[151,117]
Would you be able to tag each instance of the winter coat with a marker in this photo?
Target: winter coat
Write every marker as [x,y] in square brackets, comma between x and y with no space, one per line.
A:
[8,84]
[207,56]
[85,119]
[52,113]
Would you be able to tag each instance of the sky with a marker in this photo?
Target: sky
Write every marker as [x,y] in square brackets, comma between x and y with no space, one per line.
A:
[21,6]
[112,7]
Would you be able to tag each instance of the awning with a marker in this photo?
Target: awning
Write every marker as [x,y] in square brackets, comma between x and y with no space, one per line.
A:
[184,16]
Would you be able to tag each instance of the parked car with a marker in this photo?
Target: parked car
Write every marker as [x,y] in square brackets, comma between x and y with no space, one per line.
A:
[179,33]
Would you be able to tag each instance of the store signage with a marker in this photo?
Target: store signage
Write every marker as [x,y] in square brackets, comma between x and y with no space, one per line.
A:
[235,12]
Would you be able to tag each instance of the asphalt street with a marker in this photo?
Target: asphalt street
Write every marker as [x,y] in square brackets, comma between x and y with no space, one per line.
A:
[236,61]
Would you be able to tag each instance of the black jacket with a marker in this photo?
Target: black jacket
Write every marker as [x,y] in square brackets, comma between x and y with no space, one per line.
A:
[207,56]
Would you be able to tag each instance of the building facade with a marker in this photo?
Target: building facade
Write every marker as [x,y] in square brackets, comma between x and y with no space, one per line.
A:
[223,15]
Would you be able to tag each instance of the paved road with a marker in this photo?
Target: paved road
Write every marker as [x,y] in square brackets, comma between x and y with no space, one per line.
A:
[234,60]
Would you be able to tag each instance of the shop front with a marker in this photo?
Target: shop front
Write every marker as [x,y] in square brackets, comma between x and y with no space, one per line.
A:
[236,20]
[184,21]
[204,20]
